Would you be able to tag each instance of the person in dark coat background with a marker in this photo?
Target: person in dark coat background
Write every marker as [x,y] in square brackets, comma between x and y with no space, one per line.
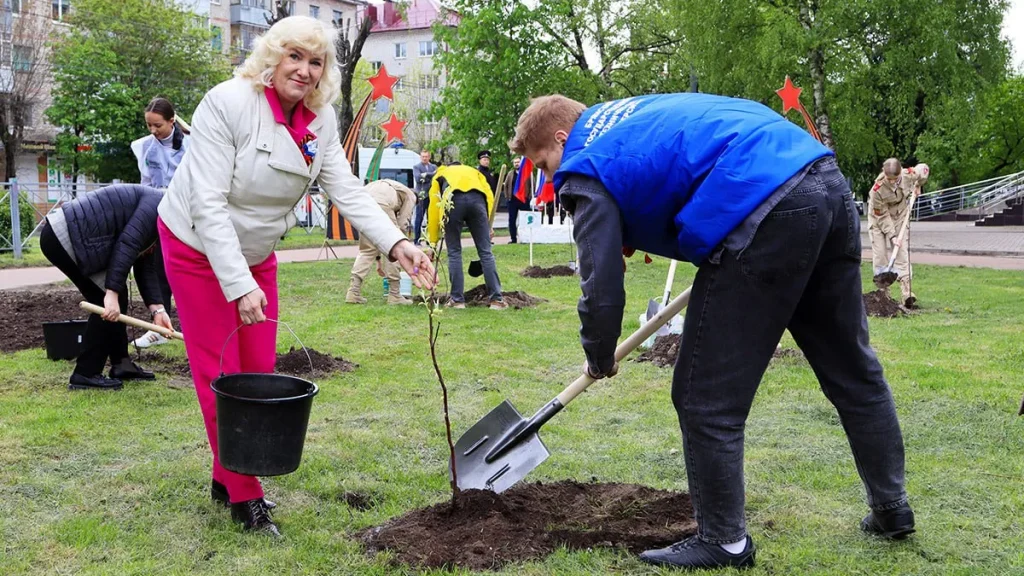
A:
[484,158]
[95,240]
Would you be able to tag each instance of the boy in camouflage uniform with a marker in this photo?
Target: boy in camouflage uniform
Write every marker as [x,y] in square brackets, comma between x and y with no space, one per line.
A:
[888,202]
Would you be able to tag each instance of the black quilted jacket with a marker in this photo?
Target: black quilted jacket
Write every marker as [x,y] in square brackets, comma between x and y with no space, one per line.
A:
[114,228]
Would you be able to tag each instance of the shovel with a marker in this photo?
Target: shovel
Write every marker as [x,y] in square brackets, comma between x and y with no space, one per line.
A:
[887,276]
[135,322]
[476,270]
[503,447]
[653,306]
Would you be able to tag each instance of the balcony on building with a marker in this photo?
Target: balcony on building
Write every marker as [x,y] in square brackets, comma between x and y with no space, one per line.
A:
[251,13]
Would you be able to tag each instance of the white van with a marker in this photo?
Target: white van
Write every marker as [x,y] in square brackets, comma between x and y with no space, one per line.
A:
[395,164]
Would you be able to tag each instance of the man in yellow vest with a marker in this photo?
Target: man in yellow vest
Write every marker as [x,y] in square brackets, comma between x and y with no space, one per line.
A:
[890,198]
[464,196]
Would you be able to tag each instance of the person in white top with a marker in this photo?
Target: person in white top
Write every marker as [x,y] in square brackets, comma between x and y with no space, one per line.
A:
[258,143]
[159,155]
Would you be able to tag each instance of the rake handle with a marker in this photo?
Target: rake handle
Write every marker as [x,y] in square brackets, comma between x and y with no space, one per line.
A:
[629,344]
[135,322]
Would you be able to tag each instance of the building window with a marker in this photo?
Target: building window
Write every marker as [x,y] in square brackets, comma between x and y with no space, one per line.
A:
[252,3]
[376,66]
[60,9]
[428,47]
[16,6]
[400,85]
[218,38]
[290,6]
[22,58]
[337,17]
[314,11]
[399,50]
[432,81]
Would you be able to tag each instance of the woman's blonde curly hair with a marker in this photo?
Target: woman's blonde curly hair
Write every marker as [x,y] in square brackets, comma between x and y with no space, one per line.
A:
[302,32]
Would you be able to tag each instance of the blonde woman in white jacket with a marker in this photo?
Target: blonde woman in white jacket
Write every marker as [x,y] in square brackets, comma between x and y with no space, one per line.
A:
[258,142]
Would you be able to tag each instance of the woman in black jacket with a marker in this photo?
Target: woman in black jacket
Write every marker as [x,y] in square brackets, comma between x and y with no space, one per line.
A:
[95,240]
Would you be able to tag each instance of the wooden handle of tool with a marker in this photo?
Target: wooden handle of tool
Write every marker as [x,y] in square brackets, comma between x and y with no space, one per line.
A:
[135,322]
[668,283]
[903,230]
[629,344]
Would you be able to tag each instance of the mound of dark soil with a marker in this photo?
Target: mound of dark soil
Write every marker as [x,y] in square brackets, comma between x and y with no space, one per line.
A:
[538,272]
[530,521]
[295,363]
[25,310]
[881,304]
[666,350]
[479,297]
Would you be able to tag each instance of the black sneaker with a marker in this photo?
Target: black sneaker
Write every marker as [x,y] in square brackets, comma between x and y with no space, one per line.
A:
[97,382]
[255,517]
[694,553]
[895,524]
[219,493]
[130,371]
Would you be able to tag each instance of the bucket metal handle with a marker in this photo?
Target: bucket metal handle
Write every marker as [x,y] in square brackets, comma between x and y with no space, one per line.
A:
[285,324]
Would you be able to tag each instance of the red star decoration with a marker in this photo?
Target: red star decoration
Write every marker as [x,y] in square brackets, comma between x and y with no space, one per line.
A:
[382,84]
[393,127]
[790,95]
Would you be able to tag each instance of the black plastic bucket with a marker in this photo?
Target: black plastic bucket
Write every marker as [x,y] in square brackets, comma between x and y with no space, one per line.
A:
[261,422]
[64,339]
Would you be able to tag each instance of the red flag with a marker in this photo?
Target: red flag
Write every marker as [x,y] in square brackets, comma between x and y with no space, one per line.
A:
[545,190]
[521,186]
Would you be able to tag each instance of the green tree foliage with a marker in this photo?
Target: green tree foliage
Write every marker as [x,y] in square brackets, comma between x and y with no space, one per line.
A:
[115,56]
[920,80]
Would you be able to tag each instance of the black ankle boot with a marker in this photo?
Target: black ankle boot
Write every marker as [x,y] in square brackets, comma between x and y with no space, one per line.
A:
[219,493]
[895,524]
[255,517]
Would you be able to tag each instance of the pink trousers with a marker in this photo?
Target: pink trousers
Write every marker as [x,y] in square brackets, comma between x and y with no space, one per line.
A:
[207,320]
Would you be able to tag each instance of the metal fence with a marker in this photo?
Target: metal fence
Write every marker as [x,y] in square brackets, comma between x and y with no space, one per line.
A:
[310,211]
[977,199]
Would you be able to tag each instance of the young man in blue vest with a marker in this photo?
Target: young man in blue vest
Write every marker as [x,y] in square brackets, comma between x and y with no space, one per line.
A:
[763,211]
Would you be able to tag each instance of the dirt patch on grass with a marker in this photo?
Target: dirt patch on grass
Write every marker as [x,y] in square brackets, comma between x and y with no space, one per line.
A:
[479,296]
[666,350]
[530,521]
[295,363]
[538,272]
[881,304]
[358,500]
[24,311]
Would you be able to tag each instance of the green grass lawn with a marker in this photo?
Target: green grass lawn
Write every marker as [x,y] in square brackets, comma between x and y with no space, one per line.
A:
[118,483]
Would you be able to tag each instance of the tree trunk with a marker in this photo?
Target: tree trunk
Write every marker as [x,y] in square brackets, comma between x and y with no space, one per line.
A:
[818,81]
[816,60]
[349,53]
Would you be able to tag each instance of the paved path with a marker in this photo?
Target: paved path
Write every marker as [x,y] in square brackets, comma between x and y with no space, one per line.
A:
[936,243]
[961,238]
[21,277]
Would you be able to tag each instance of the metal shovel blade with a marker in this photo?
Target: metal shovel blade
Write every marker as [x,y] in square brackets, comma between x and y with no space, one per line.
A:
[471,466]
[653,307]
[885,279]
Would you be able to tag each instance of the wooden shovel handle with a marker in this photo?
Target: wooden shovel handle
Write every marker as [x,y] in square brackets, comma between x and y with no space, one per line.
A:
[903,230]
[135,322]
[629,344]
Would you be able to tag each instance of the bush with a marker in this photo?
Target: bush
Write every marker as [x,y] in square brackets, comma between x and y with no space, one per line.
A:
[28,221]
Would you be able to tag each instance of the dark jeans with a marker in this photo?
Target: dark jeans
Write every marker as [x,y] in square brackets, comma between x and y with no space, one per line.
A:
[514,206]
[165,287]
[801,271]
[421,211]
[470,208]
[102,339]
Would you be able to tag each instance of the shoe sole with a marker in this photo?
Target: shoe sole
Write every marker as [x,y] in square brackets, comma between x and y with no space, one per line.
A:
[898,534]
[84,387]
